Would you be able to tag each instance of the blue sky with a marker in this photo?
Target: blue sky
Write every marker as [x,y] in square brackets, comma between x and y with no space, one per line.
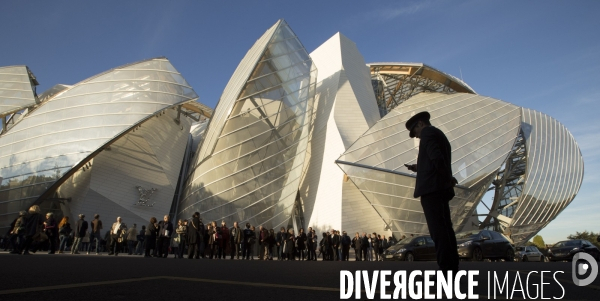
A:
[543,55]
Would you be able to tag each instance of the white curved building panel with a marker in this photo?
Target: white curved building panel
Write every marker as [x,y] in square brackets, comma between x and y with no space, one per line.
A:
[69,127]
[345,109]
[255,144]
[16,89]
[553,176]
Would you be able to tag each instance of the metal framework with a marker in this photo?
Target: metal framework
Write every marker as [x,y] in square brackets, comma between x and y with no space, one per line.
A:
[393,83]
[508,187]
[9,118]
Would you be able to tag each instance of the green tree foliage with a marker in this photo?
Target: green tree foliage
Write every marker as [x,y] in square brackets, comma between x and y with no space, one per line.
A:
[538,241]
[589,236]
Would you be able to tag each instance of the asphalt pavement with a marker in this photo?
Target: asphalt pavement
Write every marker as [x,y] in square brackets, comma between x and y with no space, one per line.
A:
[92,277]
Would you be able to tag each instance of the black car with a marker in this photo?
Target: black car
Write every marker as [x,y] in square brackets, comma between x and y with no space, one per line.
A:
[565,250]
[484,244]
[411,249]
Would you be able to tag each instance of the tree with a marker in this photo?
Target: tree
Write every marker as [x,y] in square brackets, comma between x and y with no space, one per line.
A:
[538,241]
[589,236]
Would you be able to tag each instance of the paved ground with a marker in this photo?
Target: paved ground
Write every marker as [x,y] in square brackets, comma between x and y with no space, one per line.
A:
[91,277]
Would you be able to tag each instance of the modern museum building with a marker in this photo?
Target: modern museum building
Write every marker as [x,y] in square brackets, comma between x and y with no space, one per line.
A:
[297,139]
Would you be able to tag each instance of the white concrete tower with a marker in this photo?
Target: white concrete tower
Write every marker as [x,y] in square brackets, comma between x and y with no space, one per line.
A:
[346,108]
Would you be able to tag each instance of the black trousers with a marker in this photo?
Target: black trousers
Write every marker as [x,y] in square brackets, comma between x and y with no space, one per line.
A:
[115,246]
[193,251]
[235,250]
[150,244]
[345,253]
[365,253]
[437,213]
[163,246]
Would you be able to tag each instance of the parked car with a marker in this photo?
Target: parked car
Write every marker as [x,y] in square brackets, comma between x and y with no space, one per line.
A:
[565,250]
[484,244]
[529,253]
[411,249]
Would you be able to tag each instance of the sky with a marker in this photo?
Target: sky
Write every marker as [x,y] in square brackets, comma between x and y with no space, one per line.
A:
[543,55]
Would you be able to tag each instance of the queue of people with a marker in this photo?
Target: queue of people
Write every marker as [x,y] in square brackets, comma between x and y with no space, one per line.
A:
[190,239]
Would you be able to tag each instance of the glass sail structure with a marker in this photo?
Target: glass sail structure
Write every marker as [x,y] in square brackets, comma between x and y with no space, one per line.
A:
[62,134]
[17,93]
[249,164]
[481,130]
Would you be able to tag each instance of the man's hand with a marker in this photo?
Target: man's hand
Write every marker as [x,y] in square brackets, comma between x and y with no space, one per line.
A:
[411,167]
[454,181]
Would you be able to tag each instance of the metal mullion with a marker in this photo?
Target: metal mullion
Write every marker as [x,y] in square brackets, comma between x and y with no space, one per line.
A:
[242,183]
[275,57]
[245,168]
[85,116]
[63,131]
[393,184]
[571,184]
[563,157]
[578,169]
[128,69]
[408,139]
[261,200]
[56,144]
[276,71]
[255,136]
[270,143]
[95,104]
[549,166]
[20,90]
[14,82]
[133,80]
[383,182]
[455,138]
[271,88]
[558,172]
[437,109]
[502,155]
[544,166]
[387,127]
[410,222]
[18,98]
[121,91]
[396,208]
[260,119]
[34,161]
[272,100]
[483,135]
[28,185]
[220,192]
[535,151]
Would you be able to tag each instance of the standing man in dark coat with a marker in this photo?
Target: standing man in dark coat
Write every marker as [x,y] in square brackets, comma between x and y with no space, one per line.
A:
[195,236]
[310,244]
[248,236]
[165,231]
[335,245]
[345,242]
[82,226]
[280,239]
[356,244]
[364,244]
[96,227]
[435,185]
[235,234]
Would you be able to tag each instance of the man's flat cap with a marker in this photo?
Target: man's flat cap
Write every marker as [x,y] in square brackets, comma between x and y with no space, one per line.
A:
[412,122]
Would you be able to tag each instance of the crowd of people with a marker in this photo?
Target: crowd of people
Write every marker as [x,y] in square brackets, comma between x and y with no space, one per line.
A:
[190,239]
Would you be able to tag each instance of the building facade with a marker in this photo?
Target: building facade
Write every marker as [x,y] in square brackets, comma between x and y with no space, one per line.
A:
[296,140]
